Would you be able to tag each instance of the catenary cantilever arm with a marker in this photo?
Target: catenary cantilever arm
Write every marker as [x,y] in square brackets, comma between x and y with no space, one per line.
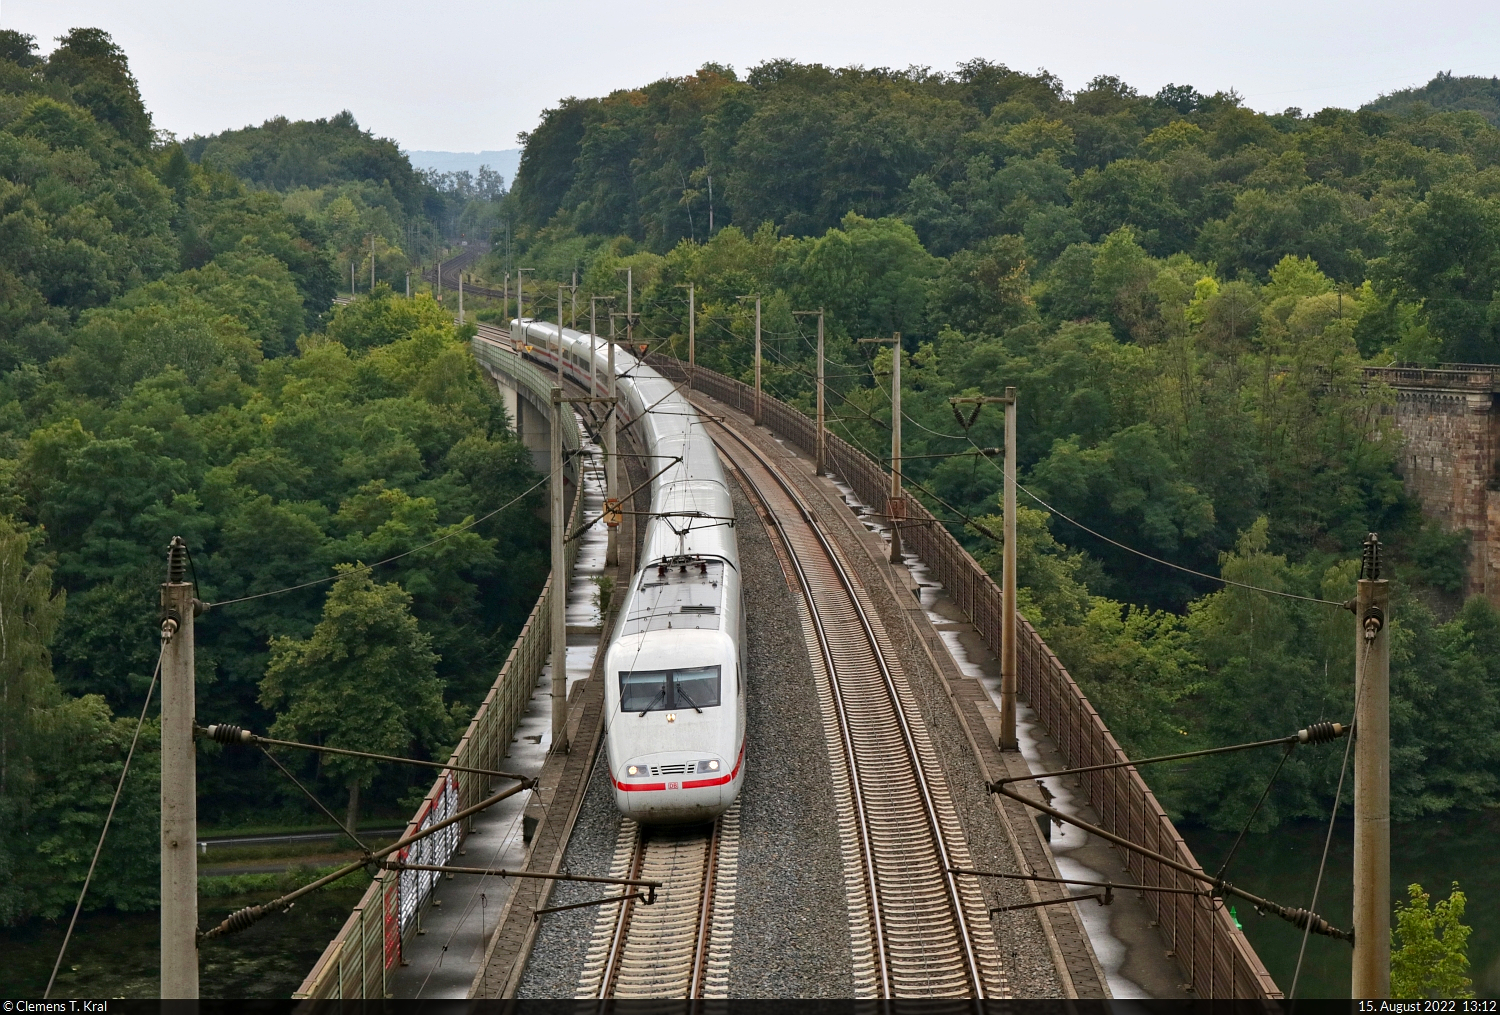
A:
[1317,733]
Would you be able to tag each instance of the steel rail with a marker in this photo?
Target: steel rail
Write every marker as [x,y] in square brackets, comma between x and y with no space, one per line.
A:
[705,918]
[929,807]
[856,788]
[622,922]
[627,935]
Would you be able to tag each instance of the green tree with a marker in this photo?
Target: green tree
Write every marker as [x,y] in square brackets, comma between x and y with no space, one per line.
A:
[99,76]
[1430,947]
[1446,255]
[60,759]
[29,615]
[363,681]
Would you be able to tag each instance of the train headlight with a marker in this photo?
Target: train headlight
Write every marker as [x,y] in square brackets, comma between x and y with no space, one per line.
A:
[632,770]
[713,766]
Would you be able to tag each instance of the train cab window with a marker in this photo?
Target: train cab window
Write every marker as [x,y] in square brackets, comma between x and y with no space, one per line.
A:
[697,688]
[669,690]
[643,690]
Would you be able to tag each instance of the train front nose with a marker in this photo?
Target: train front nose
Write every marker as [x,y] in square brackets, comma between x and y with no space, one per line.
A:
[675,787]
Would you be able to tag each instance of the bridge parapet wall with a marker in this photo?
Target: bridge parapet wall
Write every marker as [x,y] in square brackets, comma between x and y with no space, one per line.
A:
[1450,461]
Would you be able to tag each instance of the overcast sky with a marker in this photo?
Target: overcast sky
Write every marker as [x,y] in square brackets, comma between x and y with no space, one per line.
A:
[467,77]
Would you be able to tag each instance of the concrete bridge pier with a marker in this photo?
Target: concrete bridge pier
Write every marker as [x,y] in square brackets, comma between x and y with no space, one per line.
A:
[533,426]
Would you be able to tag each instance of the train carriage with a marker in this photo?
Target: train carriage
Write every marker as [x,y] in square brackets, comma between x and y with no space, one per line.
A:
[675,680]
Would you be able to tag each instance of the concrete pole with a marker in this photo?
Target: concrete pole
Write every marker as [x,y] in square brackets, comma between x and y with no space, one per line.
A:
[559,583]
[611,462]
[820,461]
[692,336]
[757,361]
[1372,783]
[179,785]
[896,450]
[1008,740]
[408,285]
[460,297]
[372,262]
[351,276]
[593,343]
[559,337]
[437,283]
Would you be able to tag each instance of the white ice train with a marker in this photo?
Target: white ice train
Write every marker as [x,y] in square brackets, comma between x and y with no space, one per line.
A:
[675,666]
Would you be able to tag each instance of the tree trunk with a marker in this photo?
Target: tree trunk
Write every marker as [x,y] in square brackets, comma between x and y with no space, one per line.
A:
[351,820]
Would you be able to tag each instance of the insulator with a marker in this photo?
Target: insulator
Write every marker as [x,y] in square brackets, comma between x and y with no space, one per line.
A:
[176,560]
[1370,559]
[1300,917]
[241,919]
[1321,732]
[227,734]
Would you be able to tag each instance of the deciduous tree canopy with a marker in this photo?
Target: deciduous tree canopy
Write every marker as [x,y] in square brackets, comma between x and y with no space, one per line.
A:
[171,364]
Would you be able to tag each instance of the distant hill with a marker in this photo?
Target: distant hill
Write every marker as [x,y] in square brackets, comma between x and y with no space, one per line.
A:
[505,163]
[1446,93]
[285,154]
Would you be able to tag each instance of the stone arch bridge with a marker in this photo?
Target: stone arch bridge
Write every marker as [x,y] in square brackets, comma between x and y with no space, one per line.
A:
[1450,419]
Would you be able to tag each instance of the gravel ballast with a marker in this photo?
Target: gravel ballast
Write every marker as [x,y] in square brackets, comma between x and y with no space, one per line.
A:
[562,940]
[791,924]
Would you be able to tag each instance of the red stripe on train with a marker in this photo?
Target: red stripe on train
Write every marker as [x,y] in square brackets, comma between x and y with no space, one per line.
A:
[690,784]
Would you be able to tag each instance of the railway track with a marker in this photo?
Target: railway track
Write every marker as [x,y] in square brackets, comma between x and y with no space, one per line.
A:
[915,929]
[679,946]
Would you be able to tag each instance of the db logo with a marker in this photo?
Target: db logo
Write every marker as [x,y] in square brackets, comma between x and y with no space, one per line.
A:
[674,785]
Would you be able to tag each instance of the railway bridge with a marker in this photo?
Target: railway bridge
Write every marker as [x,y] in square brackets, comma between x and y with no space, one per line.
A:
[873,723]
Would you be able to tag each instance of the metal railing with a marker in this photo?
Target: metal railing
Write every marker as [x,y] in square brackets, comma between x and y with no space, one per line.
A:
[1214,953]
[357,961]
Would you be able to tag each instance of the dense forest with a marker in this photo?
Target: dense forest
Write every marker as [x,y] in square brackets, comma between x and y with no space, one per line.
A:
[171,363]
[1182,289]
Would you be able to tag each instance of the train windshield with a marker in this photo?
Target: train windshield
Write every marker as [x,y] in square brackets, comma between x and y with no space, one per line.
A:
[666,690]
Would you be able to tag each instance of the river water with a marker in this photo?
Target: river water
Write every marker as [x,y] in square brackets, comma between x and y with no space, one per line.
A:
[117,954]
[1282,865]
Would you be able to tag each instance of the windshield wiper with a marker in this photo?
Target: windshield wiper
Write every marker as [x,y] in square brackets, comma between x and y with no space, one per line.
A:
[659,695]
[684,696]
